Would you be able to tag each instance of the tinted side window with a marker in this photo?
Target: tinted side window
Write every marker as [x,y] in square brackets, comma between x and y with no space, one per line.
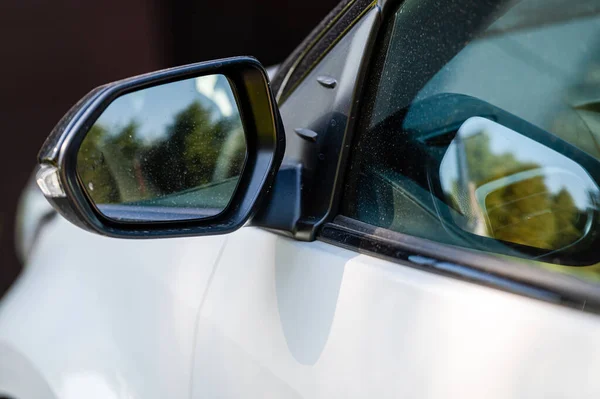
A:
[485,132]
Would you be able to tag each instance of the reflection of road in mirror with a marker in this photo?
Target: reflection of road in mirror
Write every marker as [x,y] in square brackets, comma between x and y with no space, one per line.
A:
[506,186]
[155,213]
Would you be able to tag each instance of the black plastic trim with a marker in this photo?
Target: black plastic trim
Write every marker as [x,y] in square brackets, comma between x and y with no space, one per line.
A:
[281,211]
[285,69]
[307,134]
[327,81]
[318,43]
[324,111]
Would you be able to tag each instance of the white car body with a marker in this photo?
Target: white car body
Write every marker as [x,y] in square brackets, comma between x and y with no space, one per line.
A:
[255,314]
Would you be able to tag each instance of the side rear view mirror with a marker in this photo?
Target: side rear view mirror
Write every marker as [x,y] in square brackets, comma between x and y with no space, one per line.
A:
[184,151]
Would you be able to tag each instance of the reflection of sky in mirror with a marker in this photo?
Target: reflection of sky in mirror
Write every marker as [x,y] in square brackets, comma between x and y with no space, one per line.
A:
[154,108]
[503,140]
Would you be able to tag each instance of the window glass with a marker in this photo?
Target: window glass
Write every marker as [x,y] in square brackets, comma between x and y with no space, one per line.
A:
[483,130]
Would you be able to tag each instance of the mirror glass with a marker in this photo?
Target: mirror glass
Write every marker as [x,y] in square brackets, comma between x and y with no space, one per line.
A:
[165,153]
[503,185]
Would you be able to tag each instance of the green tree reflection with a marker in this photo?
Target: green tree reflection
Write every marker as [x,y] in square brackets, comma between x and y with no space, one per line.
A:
[120,167]
[525,212]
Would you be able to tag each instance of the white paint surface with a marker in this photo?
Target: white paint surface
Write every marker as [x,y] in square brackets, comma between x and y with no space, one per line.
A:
[98,317]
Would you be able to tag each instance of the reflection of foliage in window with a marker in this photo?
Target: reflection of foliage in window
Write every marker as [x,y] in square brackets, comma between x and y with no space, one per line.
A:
[525,212]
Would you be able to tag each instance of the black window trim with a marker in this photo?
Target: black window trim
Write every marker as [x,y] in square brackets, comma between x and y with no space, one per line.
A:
[465,264]
[316,45]
[468,265]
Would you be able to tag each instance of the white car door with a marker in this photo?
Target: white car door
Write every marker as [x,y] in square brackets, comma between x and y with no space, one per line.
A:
[287,319]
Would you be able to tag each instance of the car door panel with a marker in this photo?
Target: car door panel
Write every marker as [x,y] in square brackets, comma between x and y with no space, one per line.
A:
[102,316]
[289,319]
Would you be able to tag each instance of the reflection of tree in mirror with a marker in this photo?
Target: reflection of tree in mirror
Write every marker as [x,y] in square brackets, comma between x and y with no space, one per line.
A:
[123,152]
[193,149]
[119,167]
[93,169]
[526,211]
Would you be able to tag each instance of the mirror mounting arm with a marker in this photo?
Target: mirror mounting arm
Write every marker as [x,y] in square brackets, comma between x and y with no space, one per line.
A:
[282,209]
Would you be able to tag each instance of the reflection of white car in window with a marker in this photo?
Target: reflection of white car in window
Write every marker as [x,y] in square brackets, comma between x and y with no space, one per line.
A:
[359,271]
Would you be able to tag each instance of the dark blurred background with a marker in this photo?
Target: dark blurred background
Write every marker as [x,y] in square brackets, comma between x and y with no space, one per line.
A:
[53,52]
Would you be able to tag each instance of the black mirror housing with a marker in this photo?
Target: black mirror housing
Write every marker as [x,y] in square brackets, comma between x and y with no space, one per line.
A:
[265,146]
